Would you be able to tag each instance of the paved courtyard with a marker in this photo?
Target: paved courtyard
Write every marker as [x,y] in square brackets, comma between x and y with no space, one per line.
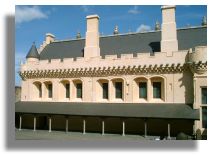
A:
[25,134]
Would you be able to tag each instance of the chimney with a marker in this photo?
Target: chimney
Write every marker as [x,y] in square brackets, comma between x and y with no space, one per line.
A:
[92,37]
[169,42]
[49,38]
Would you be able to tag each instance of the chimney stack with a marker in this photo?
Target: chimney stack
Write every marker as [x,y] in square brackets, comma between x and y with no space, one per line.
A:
[169,42]
[49,38]
[92,37]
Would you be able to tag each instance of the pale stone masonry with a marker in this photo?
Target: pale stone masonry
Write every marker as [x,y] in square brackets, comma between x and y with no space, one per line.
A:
[169,41]
[169,76]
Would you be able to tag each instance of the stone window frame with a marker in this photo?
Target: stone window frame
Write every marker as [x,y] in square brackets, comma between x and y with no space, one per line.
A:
[46,90]
[135,88]
[202,106]
[74,90]
[163,88]
[99,90]
[118,90]
[113,90]
[157,90]
[37,92]
[62,88]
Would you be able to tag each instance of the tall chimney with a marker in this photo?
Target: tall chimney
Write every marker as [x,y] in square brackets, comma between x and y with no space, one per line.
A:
[169,42]
[92,37]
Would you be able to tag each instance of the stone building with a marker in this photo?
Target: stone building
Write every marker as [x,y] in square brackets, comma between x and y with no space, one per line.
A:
[17,93]
[150,83]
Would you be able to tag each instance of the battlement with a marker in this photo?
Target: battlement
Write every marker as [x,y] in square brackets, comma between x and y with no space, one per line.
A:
[158,58]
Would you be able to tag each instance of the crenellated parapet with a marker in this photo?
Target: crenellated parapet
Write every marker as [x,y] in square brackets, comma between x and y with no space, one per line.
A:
[197,60]
[143,63]
[127,64]
[103,71]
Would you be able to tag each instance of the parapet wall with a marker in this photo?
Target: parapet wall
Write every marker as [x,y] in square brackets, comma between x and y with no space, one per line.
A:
[142,59]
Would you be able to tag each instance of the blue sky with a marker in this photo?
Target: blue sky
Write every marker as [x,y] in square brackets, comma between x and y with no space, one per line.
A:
[33,22]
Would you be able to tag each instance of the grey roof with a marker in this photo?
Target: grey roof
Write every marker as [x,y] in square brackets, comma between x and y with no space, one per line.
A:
[125,43]
[33,53]
[142,110]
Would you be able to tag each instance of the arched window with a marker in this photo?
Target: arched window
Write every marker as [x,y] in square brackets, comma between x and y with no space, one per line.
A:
[78,89]
[64,89]
[118,88]
[37,90]
[158,88]
[140,89]
[102,89]
[48,89]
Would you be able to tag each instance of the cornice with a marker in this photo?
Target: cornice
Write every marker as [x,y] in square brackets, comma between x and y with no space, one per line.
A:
[104,71]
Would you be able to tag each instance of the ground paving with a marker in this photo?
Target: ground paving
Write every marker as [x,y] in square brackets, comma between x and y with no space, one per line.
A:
[25,134]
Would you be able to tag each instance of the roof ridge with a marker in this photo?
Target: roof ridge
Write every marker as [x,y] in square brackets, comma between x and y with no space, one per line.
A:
[128,33]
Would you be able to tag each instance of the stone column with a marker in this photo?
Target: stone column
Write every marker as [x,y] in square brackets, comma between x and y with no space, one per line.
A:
[66,124]
[149,90]
[20,122]
[84,126]
[34,123]
[103,127]
[169,129]
[43,88]
[50,124]
[123,127]
[145,128]
[110,91]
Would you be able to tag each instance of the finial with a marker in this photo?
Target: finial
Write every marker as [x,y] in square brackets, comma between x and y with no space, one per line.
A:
[116,31]
[204,21]
[78,35]
[157,26]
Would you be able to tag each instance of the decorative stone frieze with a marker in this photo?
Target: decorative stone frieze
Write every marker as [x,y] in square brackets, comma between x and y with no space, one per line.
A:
[199,68]
[104,71]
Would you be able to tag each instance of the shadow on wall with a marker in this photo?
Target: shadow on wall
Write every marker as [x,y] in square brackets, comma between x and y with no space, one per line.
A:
[187,82]
[155,46]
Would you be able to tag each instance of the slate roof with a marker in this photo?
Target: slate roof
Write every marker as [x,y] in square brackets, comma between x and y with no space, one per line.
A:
[33,53]
[125,43]
[142,110]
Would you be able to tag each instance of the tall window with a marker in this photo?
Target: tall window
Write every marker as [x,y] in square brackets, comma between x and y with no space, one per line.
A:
[49,87]
[142,90]
[204,107]
[118,86]
[37,89]
[204,117]
[204,95]
[40,90]
[156,89]
[79,90]
[67,85]
[105,90]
